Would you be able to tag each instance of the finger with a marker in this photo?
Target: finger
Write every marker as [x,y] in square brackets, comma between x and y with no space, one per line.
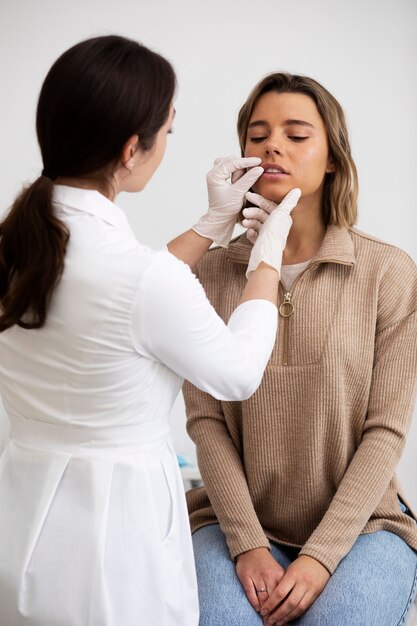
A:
[252,235]
[262,594]
[238,174]
[231,163]
[253,213]
[305,602]
[252,224]
[261,202]
[246,181]
[225,166]
[289,605]
[278,594]
[272,580]
[290,200]
[249,587]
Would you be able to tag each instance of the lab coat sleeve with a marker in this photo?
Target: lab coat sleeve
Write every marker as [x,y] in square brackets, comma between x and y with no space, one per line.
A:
[174,323]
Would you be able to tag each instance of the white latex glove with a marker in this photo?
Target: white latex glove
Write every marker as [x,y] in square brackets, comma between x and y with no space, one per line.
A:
[226,198]
[272,236]
[256,216]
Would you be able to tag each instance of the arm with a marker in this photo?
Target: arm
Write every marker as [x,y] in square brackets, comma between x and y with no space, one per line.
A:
[174,323]
[222,470]
[224,479]
[190,247]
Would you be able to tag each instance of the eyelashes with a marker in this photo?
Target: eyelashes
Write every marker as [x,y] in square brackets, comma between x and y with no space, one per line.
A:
[296,138]
[171,131]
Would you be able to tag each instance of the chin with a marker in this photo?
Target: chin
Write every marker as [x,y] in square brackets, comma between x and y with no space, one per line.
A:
[275,191]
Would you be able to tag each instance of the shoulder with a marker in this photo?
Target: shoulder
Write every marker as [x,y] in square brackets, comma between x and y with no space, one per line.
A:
[392,272]
[385,255]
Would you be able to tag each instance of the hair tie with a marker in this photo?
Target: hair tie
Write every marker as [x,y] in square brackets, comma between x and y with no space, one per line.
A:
[48,174]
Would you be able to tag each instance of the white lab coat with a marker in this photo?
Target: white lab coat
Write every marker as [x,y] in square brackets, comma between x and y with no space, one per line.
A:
[93,522]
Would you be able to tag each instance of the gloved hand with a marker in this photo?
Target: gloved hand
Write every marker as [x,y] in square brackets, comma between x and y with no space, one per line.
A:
[256,216]
[272,236]
[226,197]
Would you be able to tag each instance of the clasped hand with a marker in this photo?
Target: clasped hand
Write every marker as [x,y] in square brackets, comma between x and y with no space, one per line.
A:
[280,596]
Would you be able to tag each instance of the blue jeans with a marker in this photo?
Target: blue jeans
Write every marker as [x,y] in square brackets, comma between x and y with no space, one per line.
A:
[374,584]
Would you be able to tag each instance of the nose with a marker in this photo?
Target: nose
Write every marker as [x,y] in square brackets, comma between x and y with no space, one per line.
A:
[273,147]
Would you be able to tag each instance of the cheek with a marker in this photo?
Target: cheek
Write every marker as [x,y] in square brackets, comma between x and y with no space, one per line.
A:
[251,149]
[159,153]
[313,161]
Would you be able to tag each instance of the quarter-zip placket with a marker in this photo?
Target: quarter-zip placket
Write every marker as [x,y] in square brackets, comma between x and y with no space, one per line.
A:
[286,308]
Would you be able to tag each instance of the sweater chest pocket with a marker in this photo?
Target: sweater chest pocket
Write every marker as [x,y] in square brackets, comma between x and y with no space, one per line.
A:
[307,314]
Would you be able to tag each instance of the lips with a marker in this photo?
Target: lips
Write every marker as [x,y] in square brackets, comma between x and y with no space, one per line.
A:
[274,168]
[274,172]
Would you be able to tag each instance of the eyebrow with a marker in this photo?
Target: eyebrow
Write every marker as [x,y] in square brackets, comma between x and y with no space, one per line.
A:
[286,123]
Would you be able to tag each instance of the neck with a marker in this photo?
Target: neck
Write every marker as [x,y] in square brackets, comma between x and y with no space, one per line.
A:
[306,234]
[92,184]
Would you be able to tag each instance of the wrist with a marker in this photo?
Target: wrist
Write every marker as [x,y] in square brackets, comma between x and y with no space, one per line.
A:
[253,552]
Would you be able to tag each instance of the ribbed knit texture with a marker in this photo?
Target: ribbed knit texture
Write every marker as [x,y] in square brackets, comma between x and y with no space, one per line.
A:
[309,460]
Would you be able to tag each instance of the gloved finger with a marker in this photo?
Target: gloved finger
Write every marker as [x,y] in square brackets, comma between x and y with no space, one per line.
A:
[239,173]
[252,224]
[261,202]
[254,213]
[246,181]
[223,168]
[252,235]
[290,200]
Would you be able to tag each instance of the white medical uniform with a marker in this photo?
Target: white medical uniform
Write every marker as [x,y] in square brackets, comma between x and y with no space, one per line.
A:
[93,521]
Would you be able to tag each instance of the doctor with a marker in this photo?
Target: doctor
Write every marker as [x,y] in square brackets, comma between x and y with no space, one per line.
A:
[97,333]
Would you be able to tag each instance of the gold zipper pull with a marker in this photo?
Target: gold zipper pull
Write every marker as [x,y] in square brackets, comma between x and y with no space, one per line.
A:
[286,308]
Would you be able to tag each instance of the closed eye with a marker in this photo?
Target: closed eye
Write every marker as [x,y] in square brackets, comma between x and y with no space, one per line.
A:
[298,138]
[257,139]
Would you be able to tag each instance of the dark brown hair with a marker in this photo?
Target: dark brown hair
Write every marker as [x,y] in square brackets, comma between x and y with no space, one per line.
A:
[340,192]
[96,95]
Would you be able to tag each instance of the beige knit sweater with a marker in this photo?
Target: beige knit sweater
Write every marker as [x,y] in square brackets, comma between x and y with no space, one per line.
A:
[309,460]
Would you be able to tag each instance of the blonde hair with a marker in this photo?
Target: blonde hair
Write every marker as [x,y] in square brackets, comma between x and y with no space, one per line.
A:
[340,192]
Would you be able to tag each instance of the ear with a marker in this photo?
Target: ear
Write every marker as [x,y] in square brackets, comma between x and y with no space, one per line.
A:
[330,169]
[128,151]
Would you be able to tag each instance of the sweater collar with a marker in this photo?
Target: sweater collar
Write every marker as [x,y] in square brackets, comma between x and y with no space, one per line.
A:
[336,247]
[92,202]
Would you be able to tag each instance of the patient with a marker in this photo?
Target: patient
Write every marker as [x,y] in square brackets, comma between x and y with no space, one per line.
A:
[301,518]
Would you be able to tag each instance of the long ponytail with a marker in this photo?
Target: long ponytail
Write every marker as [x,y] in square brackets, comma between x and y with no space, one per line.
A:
[32,252]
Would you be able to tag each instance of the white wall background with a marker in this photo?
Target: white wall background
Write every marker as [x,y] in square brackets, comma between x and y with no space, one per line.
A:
[363,51]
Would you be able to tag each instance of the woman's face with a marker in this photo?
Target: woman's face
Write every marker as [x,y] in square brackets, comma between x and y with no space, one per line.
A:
[287,132]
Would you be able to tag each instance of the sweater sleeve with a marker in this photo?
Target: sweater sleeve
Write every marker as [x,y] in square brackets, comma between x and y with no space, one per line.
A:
[222,472]
[390,407]
[174,323]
